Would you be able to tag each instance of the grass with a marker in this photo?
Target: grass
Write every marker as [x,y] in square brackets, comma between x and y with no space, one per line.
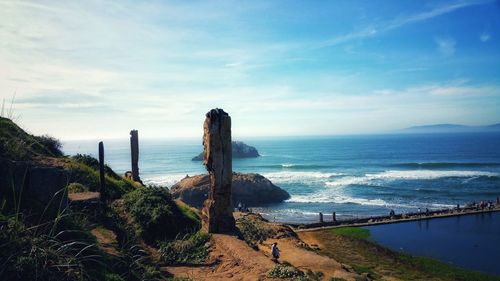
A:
[353,232]
[157,216]
[252,231]
[16,144]
[88,176]
[191,249]
[36,247]
[350,246]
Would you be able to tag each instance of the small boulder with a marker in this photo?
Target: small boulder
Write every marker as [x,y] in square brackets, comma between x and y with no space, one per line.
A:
[249,189]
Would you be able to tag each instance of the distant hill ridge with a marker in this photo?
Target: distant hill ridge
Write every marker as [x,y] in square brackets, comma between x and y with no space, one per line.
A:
[451,128]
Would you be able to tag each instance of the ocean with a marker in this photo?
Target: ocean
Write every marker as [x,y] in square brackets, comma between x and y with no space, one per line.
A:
[354,176]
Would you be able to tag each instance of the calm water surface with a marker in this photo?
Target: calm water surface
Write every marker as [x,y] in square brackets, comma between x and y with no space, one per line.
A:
[471,241]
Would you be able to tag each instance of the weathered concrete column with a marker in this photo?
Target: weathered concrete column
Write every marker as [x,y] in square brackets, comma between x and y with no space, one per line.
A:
[134,151]
[217,213]
[102,178]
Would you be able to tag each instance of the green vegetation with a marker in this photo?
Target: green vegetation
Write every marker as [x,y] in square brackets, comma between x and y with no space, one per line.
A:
[288,272]
[192,249]
[53,242]
[41,247]
[353,232]
[94,164]
[252,231]
[349,245]
[16,144]
[75,187]
[87,175]
[157,215]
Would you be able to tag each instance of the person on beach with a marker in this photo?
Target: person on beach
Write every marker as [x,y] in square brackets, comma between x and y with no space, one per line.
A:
[275,252]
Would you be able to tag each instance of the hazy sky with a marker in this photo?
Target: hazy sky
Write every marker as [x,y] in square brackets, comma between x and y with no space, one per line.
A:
[96,69]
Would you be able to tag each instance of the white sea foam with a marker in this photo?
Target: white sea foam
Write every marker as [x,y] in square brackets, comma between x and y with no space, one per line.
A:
[323,197]
[430,174]
[164,180]
[299,177]
[331,198]
[375,179]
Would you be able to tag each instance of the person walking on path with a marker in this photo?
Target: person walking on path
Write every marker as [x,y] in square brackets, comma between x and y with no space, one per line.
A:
[275,252]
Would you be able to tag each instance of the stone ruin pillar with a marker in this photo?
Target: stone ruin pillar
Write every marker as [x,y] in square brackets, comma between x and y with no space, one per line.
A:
[134,150]
[217,213]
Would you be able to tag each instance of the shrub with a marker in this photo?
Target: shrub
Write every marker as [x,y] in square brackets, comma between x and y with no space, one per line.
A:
[158,216]
[253,232]
[75,187]
[94,164]
[192,249]
[52,144]
[286,271]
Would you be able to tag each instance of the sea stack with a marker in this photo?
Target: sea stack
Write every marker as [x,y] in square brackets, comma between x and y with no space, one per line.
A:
[217,213]
[134,150]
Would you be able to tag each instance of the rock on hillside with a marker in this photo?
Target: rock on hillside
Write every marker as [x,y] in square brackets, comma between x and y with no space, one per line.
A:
[249,189]
[240,150]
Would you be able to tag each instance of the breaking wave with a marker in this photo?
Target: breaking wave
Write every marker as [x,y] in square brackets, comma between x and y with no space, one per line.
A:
[343,199]
[299,177]
[291,166]
[164,180]
[437,165]
[375,179]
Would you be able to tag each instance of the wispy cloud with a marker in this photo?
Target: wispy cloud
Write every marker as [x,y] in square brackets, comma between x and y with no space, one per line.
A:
[400,21]
[446,46]
[484,37]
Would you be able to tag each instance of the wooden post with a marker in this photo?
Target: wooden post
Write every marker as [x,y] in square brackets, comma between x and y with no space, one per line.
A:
[334,217]
[102,178]
[321,217]
[217,212]
[134,151]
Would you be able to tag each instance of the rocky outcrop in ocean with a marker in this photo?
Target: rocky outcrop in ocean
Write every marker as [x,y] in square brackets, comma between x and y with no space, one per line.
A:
[249,189]
[239,149]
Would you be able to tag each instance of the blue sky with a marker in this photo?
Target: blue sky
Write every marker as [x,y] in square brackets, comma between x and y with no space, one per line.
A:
[96,69]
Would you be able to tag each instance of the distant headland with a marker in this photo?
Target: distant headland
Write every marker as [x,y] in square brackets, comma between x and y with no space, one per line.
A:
[450,128]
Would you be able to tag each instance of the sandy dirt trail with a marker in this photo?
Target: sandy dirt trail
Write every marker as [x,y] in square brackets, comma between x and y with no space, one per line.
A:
[230,259]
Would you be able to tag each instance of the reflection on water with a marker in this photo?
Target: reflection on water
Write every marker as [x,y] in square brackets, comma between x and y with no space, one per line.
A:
[471,241]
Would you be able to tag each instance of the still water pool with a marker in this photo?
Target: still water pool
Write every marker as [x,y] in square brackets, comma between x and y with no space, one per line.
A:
[470,241]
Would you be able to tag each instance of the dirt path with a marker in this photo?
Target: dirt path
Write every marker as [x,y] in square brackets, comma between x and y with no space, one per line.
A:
[230,259]
[106,240]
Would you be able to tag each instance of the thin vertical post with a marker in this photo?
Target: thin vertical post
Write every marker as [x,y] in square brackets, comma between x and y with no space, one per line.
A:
[134,151]
[321,217]
[334,217]
[102,179]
